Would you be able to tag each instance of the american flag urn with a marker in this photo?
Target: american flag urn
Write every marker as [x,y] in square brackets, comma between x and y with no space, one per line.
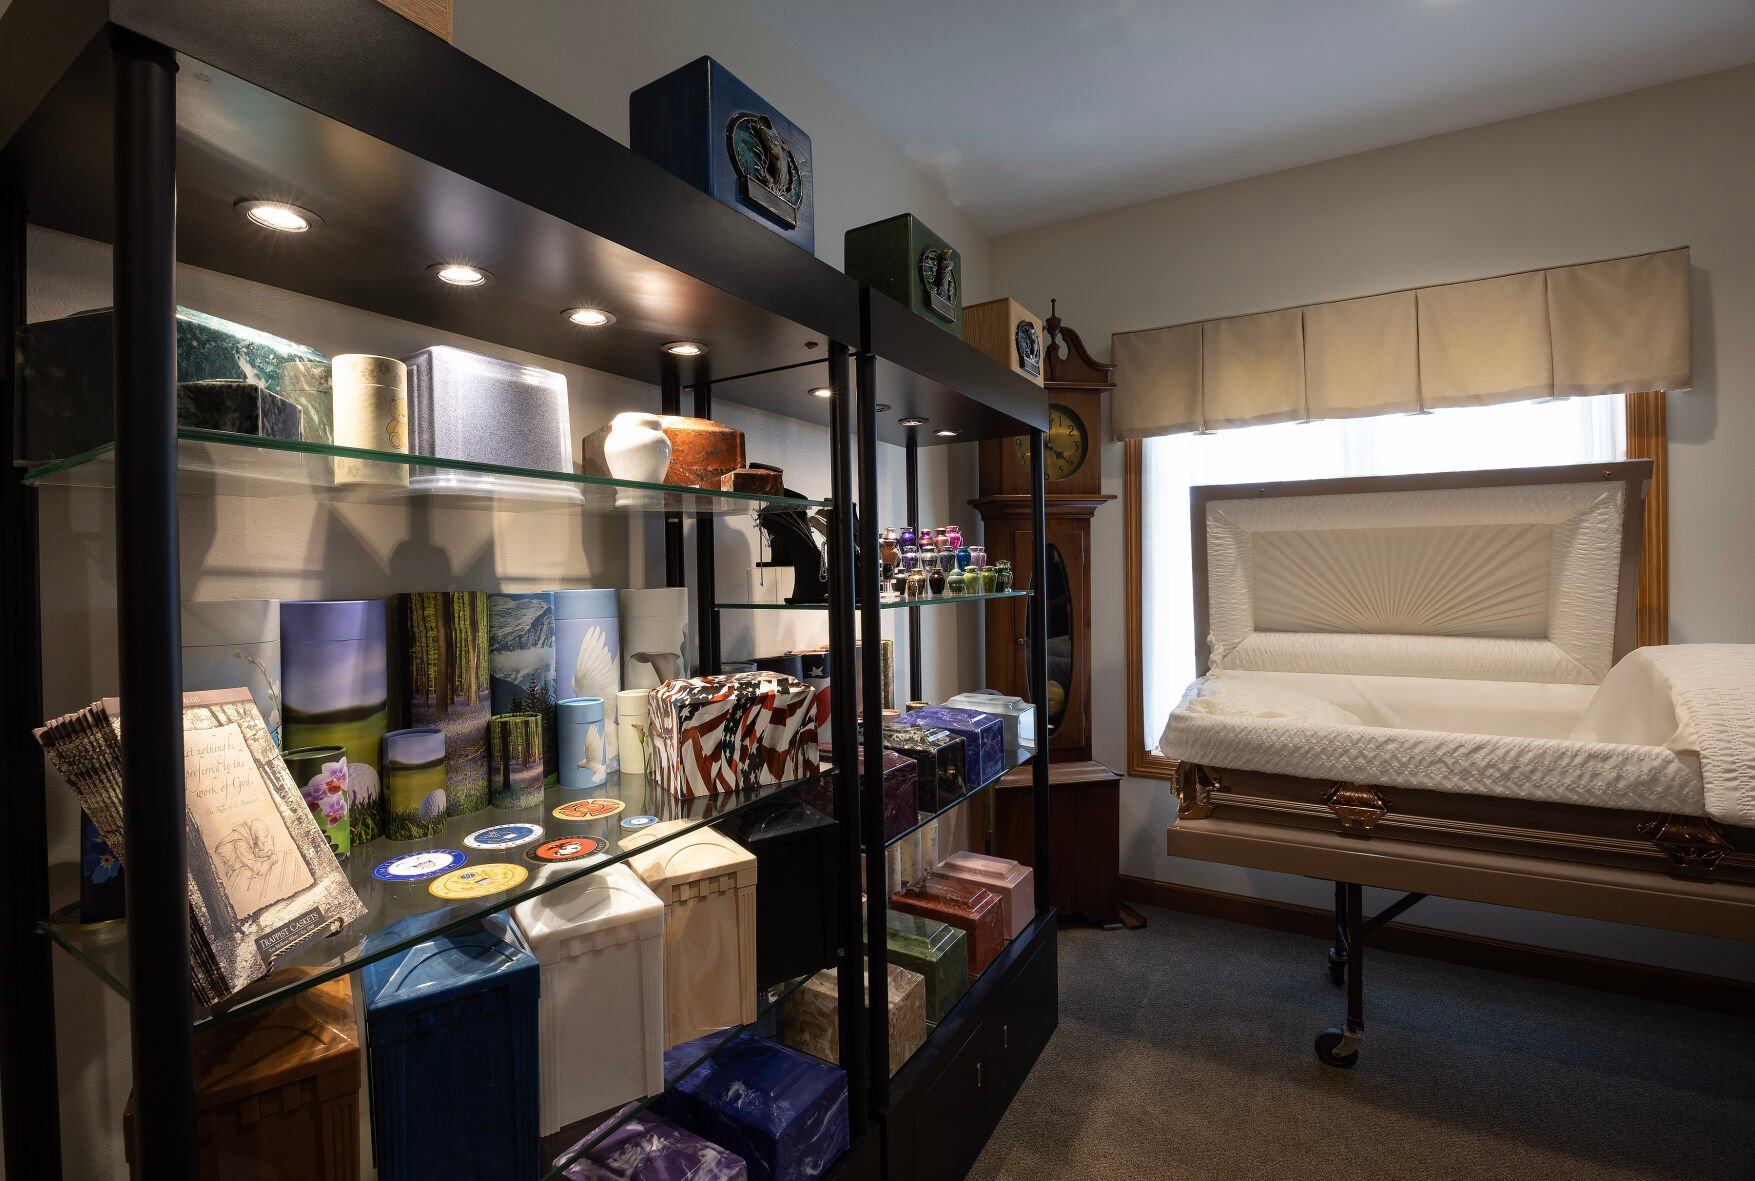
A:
[717,734]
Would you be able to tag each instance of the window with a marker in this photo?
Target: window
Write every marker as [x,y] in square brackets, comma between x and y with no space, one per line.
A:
[1160,472]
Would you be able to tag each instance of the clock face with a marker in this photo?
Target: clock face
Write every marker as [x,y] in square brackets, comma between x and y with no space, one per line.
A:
[1066,443]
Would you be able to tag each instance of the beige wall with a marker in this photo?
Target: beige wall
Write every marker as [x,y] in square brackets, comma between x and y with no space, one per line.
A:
[585,58]
[1669,166]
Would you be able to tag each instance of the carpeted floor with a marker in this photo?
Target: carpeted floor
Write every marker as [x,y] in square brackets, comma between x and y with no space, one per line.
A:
[1184,1050]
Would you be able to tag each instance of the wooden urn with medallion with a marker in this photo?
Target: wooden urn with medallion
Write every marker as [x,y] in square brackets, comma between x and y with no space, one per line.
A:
[1084,796]
[1009,333]
[905,260]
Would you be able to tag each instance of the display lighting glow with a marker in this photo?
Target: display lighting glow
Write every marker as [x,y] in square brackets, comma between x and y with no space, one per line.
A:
[822,391]
[685,348]
[945,434]
[912,421]
[590,317]
[278,215]
[459,274]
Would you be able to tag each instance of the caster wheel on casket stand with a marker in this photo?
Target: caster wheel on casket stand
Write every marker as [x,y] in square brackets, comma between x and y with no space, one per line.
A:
[1337,1048]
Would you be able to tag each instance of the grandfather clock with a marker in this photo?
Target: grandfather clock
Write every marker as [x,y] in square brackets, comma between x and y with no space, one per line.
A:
[1084,796]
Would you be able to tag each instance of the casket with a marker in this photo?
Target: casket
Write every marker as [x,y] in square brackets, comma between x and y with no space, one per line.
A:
[1445,663]
[983,738]
[716,734]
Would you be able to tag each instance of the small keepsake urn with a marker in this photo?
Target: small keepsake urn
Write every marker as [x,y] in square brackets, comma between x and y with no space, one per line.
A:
[637,448]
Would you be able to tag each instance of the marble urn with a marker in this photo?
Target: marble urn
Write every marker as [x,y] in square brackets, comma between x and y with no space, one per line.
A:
[463,405]
[794,847]
[812,1021]
[782,1111]
[647,1148]
[974,910]
[1014,883]
[941,776]
[897,784]
[983,738]
[938,951]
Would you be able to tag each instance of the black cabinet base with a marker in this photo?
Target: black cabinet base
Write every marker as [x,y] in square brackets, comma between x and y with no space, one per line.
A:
[946,1102]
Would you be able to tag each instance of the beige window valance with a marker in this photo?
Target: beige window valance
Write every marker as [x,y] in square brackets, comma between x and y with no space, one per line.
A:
[1612,327]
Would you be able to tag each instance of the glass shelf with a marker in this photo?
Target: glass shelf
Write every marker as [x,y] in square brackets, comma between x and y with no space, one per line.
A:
[767,1004]
[885,604]
[1025,752]
[219,463]
[103,947]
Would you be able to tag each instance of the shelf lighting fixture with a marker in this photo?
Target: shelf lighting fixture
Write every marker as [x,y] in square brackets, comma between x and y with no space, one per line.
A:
[459,274]
[590,317]
[278,215]
[882,407]
[822,391]
[911,421]
[685,348]
[945,434]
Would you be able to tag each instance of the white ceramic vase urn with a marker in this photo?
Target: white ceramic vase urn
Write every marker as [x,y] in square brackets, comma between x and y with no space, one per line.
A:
[636,448]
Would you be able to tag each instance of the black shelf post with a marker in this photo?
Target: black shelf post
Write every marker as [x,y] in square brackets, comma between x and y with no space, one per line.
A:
[911,472]
[670,402]
[706,575]
[28,1072]
[872,712]
[149,606]
[844,727]
[1036,607]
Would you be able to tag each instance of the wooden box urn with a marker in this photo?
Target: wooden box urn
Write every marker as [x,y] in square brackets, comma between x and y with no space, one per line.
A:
[707,883]
[912,265]
[451,1034]
[974,910]
[600,941]
[794,847]
[782,1111]
[277,1091]
[813,1023]
[1009,333]
[937,951]
[703,124]
[1014,883]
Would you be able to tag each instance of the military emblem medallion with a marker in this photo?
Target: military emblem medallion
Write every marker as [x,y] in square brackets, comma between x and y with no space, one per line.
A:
[1029,343]
[938,271]
[768,171]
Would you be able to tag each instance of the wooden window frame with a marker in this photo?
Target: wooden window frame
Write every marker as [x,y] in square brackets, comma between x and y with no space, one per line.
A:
[1647,438]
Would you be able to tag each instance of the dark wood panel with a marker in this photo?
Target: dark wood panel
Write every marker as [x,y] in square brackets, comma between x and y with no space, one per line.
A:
[1085,815]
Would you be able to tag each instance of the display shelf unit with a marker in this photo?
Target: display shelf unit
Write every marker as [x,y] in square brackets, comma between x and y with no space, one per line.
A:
[889,604]
[219,463]
[139,123]
[104,947]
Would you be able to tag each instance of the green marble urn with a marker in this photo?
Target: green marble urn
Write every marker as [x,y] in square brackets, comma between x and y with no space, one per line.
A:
[935,950]
[905,260]
[68,375]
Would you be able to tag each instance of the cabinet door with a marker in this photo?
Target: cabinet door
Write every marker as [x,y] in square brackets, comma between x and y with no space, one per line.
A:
[1024,1015]
[953,1118]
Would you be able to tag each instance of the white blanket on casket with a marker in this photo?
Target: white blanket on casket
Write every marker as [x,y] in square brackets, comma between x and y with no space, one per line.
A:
[1670,729]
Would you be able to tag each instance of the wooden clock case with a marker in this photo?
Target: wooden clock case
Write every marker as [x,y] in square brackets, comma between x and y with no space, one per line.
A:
[1084,795]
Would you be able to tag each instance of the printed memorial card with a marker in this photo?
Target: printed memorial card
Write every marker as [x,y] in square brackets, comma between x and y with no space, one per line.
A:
[262,878]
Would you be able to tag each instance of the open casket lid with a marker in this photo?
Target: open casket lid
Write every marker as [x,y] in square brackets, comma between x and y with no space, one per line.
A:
[1526,574]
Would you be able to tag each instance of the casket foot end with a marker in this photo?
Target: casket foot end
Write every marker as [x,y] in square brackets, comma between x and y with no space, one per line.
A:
[1337,1048]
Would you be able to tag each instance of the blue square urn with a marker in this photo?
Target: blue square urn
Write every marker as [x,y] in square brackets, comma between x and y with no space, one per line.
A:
[451,1048]
[707,127]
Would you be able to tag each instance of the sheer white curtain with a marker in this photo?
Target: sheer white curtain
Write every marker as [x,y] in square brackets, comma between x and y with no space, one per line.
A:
[1521,434]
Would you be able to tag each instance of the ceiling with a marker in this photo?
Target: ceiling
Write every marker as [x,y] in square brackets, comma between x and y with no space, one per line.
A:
[1031,111]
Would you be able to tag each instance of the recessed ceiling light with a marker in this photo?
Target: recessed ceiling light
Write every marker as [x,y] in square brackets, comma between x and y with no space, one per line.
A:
[911,421]
[459,274]
[278,215]
[589,317]
[945,434]
[685,348]
[822,391]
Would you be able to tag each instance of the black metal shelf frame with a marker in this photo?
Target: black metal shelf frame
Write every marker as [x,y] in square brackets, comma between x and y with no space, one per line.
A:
[110,127]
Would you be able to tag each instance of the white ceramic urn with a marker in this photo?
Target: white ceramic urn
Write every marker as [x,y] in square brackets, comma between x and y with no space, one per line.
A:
[636,448]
